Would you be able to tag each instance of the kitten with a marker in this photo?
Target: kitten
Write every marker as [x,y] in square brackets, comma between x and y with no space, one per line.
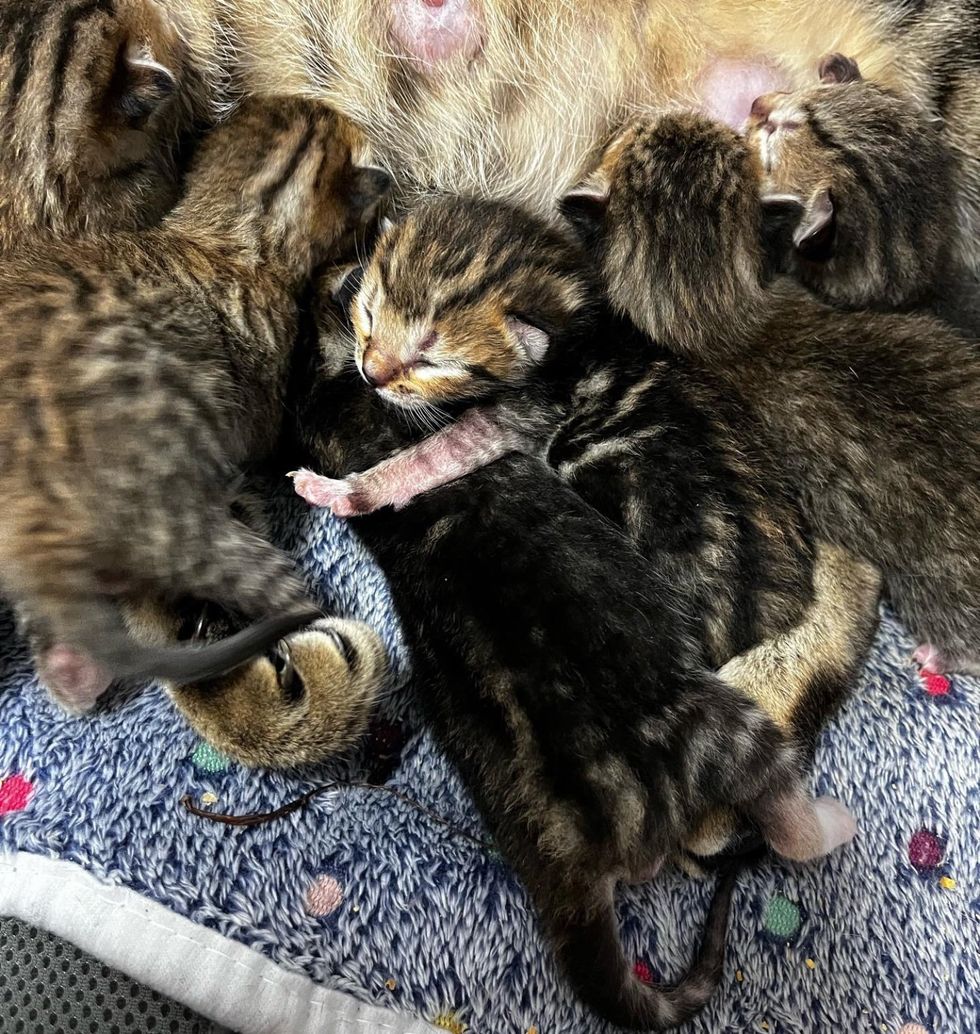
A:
[870,173]
[507,99]
[876,416]
[307,699]
[633,431]
[139,373]
[94,99]
[555,665]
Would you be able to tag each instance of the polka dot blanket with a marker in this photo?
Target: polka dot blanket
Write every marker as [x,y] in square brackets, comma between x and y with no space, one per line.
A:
[384,919]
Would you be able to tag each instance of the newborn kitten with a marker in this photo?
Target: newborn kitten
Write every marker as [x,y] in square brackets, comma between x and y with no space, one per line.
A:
[875,416]
[139,373]
[873,180]
[554,664]
[94,97]
[635,432]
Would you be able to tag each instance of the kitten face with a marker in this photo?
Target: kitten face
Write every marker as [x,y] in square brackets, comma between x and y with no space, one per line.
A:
[870,178]
[449,309]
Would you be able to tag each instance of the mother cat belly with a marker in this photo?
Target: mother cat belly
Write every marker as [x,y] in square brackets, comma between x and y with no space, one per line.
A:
[510,99]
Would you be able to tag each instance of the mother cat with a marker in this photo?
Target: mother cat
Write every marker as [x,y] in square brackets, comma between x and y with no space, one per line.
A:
[511,98]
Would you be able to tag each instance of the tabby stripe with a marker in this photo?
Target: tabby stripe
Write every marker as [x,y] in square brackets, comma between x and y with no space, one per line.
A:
[30,30]
[274,189]
[862,170]
[67,35]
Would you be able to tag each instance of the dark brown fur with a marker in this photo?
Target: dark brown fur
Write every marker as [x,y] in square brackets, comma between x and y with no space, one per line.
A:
[872,180]
[94,96]
[876,416]
[139,375]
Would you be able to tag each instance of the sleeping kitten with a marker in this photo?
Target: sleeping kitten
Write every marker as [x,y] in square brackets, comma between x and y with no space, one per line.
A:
[94,98]
[139,373]
[556,666]
[873,180]
[876,416]
[635,432]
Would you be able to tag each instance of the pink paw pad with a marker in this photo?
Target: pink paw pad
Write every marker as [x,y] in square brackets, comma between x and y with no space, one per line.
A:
[433,31]
[836,823]
[74,679]
[332,493]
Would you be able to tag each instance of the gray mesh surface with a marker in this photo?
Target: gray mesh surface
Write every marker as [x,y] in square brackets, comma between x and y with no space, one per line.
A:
[48,986]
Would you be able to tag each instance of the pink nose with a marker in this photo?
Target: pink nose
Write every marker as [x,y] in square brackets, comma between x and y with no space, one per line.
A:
[378,368]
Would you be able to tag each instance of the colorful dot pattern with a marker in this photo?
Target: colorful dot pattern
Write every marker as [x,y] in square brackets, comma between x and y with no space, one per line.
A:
[782,918]
[208,759]
[15,791]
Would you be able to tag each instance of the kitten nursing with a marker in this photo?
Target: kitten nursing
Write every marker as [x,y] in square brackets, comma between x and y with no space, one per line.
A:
[850,400]
[830,388]
[509,99]
[138,374]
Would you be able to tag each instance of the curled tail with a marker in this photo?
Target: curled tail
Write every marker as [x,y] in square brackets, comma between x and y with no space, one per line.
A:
[593,957]
[125,657]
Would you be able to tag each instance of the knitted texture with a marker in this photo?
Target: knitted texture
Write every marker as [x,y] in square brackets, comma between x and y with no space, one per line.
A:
[370,896]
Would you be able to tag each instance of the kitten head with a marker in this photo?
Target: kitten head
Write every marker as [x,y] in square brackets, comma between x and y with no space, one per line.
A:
[462,299]
[673,212]
[282,182]
[870,181]
[91,103]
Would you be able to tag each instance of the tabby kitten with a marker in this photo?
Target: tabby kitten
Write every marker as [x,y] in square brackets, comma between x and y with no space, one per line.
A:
[631,429]
[139,374]
[509,99]
[94,97]
[556,665]
[873,180]
[875,416]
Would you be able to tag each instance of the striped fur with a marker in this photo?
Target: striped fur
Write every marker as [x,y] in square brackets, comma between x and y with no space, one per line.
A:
[139,373]
[93,97]
[873,179]
[524,116]
[876,416]
[556,665]
[558,622]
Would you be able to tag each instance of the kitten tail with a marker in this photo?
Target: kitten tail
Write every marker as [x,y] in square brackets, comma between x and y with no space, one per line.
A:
[127,658]
[593,958]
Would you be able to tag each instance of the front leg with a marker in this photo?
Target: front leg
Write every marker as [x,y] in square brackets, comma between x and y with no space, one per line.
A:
[476,439]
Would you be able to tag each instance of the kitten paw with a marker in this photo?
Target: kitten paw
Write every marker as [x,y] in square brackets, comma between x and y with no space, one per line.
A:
[837,824]
[333,493]
[73,678]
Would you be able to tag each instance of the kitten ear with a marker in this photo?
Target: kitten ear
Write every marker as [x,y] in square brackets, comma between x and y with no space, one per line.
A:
[587,202]
[342,283]
[369,186]
[532,340]
[836,68]
[814,237]
[141,85]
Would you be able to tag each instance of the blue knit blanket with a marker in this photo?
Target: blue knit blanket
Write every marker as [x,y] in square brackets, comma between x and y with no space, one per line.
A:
[363,893]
